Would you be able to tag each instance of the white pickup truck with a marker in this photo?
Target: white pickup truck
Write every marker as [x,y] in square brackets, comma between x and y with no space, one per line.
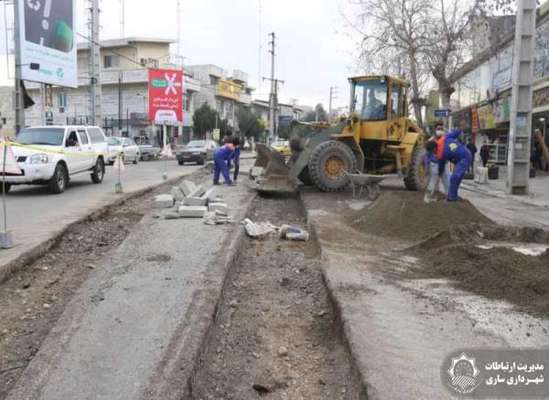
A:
[50,155]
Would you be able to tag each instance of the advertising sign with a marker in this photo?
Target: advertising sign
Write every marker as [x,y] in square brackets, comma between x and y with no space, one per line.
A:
[46,29]
[442,113]
[486,117]
[475,125]
[165,96]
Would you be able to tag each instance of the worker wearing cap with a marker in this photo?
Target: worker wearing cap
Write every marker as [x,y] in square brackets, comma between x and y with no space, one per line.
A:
[450,148]
[221,158]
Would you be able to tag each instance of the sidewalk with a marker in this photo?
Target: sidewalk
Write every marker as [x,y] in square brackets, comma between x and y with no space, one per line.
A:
[137,324]
[492,200]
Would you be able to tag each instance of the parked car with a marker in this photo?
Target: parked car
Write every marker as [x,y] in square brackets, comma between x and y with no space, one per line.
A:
[130,151]
[149,152]
[198,151]
[51,155]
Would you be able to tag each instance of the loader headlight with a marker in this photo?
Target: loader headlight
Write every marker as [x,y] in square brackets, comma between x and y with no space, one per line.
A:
[39,159]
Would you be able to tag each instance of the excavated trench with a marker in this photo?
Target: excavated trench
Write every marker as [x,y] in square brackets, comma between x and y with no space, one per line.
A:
[276,335]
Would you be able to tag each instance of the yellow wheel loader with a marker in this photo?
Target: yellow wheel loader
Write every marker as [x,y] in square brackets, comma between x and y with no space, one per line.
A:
[377,138]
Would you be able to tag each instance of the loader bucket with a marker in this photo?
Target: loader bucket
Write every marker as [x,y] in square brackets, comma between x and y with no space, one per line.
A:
[276,174]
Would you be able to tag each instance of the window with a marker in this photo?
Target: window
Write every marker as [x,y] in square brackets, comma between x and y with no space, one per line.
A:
[96,136]
[44,136]
[72,140]
[62,100]
[395,100]
[111,61]
[187,101]
[83,137]
[370,99]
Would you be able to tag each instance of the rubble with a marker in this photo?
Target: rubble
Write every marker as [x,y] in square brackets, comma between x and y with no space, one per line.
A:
[198,192]
[192,211]
[164,201]
[215,218]
[177,193]
[258,230]
[293,232]
[195,201]
[187,187]
[219,207]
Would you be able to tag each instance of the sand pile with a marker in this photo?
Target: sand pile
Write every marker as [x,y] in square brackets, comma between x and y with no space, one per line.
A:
[404,215]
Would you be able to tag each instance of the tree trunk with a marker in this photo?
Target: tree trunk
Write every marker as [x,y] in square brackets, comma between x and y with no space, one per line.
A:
[415,89]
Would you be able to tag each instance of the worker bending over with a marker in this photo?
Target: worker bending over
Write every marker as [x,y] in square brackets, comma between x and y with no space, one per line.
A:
[221,159]
[449,148]
[236,158]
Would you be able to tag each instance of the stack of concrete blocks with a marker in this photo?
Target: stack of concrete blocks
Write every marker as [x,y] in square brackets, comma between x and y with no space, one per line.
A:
[191,201]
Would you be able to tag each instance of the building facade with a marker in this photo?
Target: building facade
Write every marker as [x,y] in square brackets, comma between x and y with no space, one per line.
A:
[124,82]
[483,90]
[222,90]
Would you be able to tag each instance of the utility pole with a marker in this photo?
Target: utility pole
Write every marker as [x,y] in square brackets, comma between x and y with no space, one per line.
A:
[94,61]
[19,106]
[179,48]
[520,133]
[273,88]
[333,95]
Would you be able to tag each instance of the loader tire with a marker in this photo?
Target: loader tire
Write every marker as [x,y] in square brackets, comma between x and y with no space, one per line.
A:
[328,164]
[416,175]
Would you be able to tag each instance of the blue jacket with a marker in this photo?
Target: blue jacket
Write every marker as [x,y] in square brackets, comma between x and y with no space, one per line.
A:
[224,153]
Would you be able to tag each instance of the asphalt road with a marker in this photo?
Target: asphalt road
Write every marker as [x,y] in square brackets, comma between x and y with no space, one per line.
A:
[34,215]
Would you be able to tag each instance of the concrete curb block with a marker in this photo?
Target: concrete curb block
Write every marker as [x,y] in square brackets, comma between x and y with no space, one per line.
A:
[28,257]
[174,379]
[341,322]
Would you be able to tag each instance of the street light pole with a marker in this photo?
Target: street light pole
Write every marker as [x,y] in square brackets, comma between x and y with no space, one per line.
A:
[19,106]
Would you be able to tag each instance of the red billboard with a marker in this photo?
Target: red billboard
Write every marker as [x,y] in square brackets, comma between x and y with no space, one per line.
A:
[165,96]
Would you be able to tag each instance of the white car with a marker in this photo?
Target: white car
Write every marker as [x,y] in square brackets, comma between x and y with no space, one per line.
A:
[129,149]
[51,155]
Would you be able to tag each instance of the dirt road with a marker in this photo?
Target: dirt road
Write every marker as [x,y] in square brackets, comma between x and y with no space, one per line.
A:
[276,336]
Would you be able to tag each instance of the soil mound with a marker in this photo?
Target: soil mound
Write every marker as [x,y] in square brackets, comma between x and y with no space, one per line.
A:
[498,273]
[406,216]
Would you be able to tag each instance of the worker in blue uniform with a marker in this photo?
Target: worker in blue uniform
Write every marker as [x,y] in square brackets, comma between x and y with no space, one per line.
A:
[221,158]
[450,148]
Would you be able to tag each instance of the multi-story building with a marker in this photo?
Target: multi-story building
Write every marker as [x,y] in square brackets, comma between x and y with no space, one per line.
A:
[124,81]
[483,86]
[223,91]
[7,114]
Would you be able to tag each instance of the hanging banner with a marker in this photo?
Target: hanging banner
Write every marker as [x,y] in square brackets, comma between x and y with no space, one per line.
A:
[486,117]
[502,110]
[475,126]
[48,46]
[165,96]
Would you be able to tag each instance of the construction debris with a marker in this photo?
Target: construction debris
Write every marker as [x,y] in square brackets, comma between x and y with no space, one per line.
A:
[219,207]
[187,187]
[293,232]
[177,193]
[195,201]
[192,211]
[215,218]
[164,201]
[258,230]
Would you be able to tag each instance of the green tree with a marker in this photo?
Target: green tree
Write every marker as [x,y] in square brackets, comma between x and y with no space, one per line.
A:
[204,120]
[249,123]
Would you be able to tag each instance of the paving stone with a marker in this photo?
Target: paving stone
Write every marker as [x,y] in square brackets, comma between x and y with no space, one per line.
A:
[195,201]
[164,201]
[187,187]
[177,193]
[198,192]
[192,211]
[210,194]
[220,208]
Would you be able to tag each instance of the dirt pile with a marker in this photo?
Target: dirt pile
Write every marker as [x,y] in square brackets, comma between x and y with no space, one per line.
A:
[406,216]
[499,273]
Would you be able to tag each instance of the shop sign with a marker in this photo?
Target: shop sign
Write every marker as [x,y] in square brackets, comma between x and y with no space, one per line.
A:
[229,89]
[541,97]
[502,110]
[486,117]
[474,120]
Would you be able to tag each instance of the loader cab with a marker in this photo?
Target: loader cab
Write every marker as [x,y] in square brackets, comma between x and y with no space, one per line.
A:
[379,103]
[378,98]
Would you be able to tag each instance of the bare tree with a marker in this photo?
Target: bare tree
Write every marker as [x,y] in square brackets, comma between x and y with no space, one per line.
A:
[394,33]
[448,43]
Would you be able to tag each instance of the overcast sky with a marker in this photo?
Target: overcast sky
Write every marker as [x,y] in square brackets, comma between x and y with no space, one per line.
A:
[314,52]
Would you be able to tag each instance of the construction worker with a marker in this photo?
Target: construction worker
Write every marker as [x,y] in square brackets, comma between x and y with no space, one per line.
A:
[450,148]
[236,158]
[436,168]
[221,158]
